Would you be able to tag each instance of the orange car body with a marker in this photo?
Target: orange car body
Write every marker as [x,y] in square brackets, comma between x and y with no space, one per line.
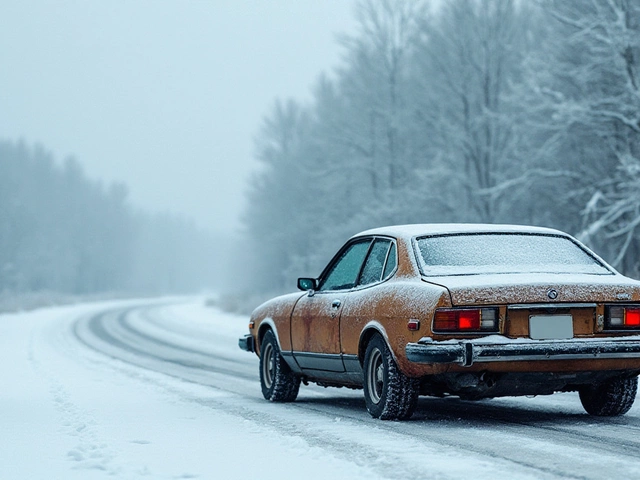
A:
[544,328]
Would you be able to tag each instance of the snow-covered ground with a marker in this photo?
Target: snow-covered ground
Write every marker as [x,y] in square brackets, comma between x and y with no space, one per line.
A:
[69,412]
[159,389]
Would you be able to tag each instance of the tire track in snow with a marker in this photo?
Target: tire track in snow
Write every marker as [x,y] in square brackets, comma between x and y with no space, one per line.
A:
[104,328]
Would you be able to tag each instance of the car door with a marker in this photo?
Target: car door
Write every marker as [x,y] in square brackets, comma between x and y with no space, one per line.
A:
[315,322]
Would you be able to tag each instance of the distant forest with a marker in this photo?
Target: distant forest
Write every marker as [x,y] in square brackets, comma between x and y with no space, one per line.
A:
[62,232]
[497,111]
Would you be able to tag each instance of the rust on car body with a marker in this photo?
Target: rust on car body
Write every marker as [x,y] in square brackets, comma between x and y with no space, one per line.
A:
[456,309]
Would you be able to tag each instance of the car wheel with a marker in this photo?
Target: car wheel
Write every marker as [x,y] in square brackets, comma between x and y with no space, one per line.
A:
[388,393]
[611,398]
[279,383]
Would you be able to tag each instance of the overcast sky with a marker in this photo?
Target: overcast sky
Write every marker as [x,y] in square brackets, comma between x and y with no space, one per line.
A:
[163,95]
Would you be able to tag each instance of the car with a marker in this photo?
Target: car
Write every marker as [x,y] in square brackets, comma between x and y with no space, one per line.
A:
[469,310]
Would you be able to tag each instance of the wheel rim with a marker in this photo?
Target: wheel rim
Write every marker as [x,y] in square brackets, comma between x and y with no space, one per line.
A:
[268,365]
[375,376]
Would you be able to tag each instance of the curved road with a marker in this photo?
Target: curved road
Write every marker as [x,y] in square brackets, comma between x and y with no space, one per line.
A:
[545,437]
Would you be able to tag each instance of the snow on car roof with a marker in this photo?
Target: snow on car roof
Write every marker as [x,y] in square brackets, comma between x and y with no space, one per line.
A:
[416,230]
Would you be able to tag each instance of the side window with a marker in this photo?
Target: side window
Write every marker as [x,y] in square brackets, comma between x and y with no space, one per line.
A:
[392,262]
[344,273]
[373,267]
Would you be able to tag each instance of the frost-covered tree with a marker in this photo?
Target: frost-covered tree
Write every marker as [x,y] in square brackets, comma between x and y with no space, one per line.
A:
[281,196]
[333,168]
[468,60]
[582,98]
[375,85]
[478,110]
[411,129]
[62,232]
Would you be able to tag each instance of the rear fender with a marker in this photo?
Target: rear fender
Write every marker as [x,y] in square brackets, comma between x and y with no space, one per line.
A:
[369,330]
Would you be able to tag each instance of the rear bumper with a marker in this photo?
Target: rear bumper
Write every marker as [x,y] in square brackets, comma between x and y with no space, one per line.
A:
[246,343]
[468,352]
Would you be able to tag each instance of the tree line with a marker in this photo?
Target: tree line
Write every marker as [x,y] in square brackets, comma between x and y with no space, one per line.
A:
[62,232]
[494,111]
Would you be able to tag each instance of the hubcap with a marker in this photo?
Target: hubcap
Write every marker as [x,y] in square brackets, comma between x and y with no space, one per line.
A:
[375,376]
[268,365]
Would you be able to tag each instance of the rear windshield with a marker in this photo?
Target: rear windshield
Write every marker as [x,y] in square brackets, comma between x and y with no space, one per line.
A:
[472,254]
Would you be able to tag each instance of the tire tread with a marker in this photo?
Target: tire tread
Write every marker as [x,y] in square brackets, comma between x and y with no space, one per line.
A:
[400,397]
[286,384]
[609,399]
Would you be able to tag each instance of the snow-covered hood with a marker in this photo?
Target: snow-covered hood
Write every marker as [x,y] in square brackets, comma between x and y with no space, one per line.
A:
[535,288]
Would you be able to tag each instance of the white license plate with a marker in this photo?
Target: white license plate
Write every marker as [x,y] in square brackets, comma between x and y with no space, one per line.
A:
[550,327]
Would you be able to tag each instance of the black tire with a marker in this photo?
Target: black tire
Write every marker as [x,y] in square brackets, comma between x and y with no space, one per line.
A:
[279,383]
[611,398]
[388,393]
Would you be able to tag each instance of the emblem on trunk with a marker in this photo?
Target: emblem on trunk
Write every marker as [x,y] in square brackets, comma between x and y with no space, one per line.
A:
[552,294]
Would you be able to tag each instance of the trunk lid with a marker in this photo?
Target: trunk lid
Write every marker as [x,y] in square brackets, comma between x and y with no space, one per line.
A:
[500,289]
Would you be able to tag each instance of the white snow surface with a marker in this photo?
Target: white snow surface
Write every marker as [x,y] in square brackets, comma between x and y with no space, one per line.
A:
[70,413]
[159,389]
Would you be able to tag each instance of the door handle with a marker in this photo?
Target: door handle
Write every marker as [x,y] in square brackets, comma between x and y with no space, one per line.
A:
[336,304]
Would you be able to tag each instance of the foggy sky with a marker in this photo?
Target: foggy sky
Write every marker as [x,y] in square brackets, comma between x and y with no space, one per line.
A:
[163,95]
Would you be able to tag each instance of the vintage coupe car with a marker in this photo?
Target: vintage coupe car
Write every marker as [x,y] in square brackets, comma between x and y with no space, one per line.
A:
[476,311]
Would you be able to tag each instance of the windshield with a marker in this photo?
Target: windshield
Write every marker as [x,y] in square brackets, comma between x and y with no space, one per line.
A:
[473,254]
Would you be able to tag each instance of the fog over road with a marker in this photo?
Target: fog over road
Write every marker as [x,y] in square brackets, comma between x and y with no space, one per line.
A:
[159,389]
[548,437]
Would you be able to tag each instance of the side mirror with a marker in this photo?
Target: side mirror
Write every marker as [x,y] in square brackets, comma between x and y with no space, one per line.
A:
[306,284]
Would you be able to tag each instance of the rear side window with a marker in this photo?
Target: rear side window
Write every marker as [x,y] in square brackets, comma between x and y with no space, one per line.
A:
[344,272]
[374,266]
[392,262]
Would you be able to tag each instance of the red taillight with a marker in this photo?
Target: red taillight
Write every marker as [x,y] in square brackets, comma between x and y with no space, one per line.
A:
[469,320]
[621,317]
[465,320]
[632,317]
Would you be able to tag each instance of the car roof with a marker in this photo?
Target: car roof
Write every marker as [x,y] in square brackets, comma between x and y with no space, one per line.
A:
[416,230]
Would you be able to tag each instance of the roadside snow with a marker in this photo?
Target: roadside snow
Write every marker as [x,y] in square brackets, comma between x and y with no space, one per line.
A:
[69,413]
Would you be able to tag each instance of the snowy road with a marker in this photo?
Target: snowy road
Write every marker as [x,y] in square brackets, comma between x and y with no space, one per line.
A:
[160,390]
